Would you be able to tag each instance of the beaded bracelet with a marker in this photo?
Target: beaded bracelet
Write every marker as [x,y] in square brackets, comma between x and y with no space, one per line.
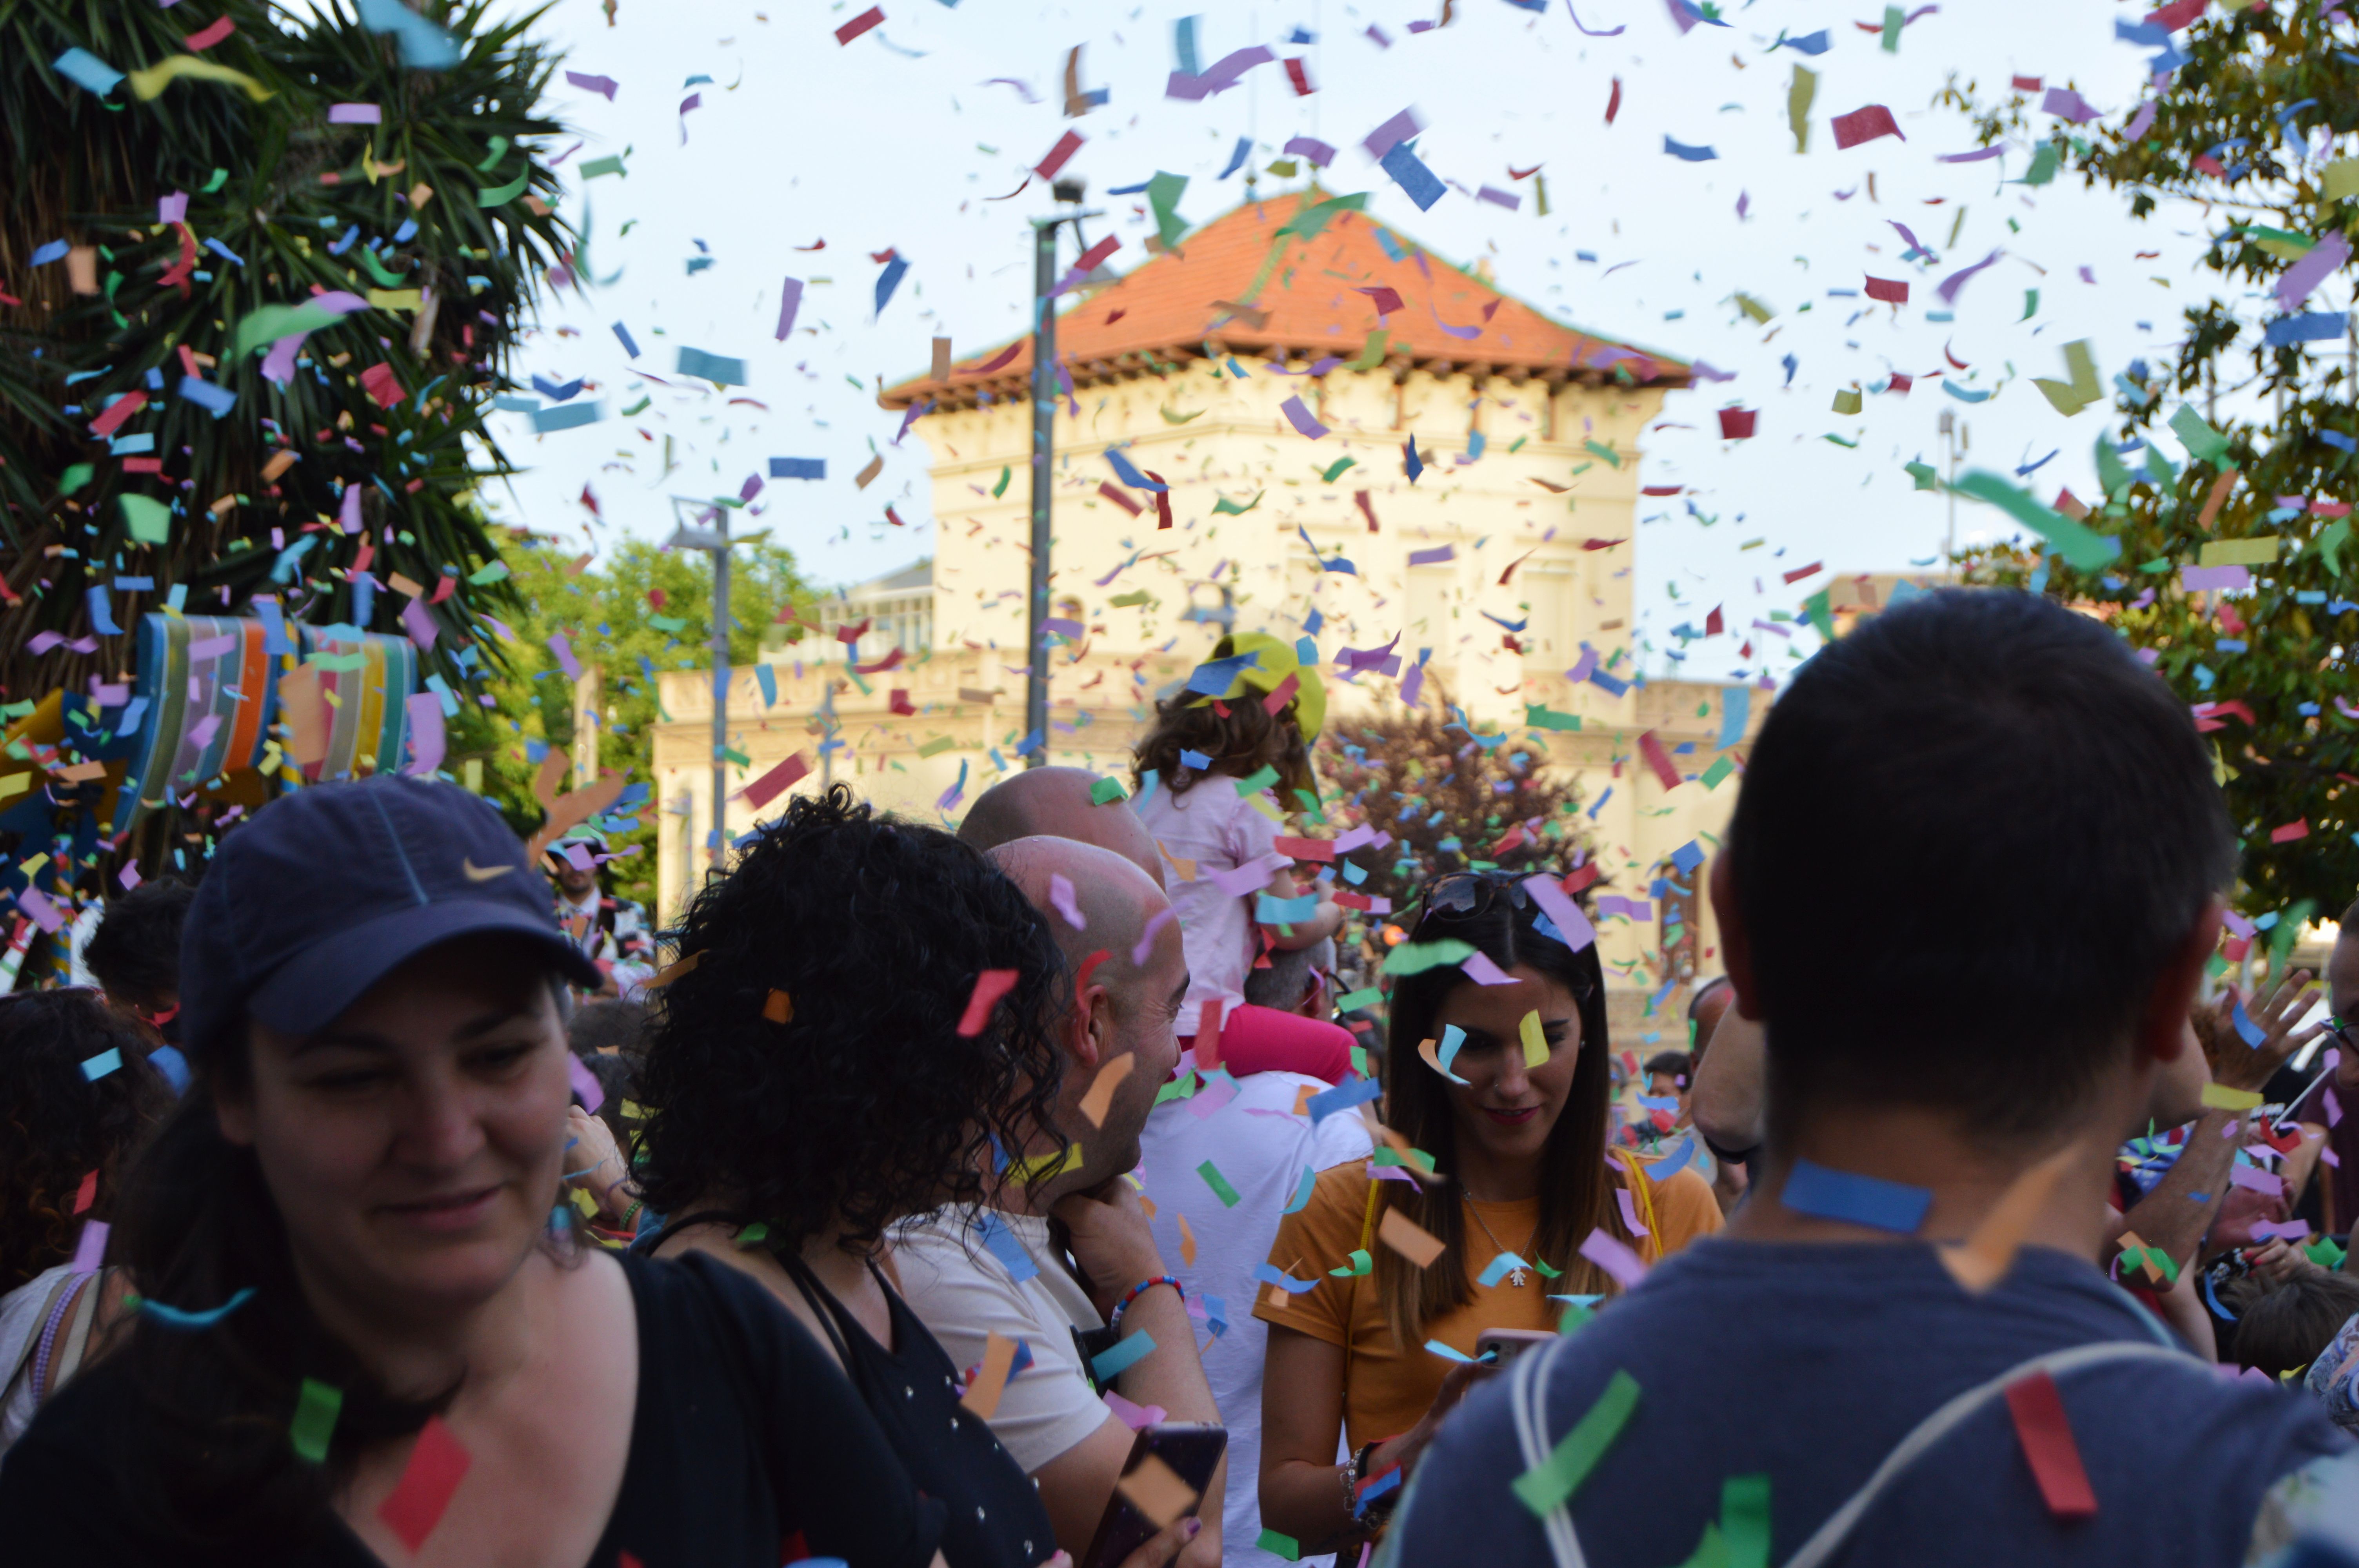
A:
[1140,1289]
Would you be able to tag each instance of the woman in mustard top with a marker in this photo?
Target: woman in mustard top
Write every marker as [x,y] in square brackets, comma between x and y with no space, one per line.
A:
[1518,1131]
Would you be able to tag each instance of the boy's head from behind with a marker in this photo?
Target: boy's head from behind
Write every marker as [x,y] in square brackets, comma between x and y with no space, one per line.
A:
[1973,838]
[2282,1328]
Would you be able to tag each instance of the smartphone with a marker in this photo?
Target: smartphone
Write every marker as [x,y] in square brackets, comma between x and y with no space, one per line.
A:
[1191,1451]
[1500,1346]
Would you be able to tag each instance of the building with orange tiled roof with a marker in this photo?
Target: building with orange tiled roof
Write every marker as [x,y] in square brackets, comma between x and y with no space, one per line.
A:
[1272,370]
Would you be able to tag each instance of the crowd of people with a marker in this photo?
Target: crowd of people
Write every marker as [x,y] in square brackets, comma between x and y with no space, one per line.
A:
[1011,1195]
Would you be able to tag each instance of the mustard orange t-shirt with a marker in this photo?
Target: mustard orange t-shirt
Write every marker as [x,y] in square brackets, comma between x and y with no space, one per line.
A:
[1388,1385]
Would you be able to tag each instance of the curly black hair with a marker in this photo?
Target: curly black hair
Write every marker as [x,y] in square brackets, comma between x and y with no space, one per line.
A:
[864,1106]
[57,1124]
[136,951]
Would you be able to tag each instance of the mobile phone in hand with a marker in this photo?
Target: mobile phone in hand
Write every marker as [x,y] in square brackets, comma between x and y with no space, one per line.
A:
[1188,1451]
[1499,1346]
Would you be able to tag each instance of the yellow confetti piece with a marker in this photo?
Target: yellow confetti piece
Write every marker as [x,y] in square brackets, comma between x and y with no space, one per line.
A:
[396,299]
[1535,1050]
[2220,1097]
[1042,1167]
[149,82]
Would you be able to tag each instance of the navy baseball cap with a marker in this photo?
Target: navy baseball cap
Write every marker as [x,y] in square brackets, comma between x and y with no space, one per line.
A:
[332,888]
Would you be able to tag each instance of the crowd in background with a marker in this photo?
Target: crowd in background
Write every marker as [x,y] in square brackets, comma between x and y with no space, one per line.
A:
[976,1197]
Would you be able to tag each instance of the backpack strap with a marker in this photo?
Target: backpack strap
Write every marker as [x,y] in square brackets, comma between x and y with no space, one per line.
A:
[1831,1536]
[1528,1385]
[1528,1402]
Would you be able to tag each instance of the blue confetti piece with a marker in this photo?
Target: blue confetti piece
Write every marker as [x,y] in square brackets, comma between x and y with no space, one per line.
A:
[1498,1267]
[571,415]
[1126,471]
[1237,158]
[223,252]
[1814,1189]
[54,251]
[889,280]
[1271,911]
[2334,439]
[102,621]
[1686,856]
[87,69]
[1392,247]
[167,1059]
[558,392]
[1454,1038]
[1687,154]
[798,468]
[1196,759]
[218,400]
[2315,327]
[1216,1314]
[107,1061]
[1112,1363]
[189,1321]
[1411,464]
[2250,1032]
[1677,1159]
[424,46]
[1001,1243]
[1214,676]
[1301,1190]
[1344,1096]
[718,368]
[630,344]
[1816,43]
[1270,1274]
[1410,174]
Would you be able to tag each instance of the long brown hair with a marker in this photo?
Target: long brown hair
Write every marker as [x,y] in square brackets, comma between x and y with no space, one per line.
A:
[1244,740]
[1576,1190]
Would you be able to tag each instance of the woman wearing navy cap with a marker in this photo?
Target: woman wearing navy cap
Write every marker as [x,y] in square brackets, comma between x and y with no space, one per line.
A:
[369,1344]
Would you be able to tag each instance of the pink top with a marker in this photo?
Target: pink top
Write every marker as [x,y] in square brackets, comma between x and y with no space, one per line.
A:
[1234,848]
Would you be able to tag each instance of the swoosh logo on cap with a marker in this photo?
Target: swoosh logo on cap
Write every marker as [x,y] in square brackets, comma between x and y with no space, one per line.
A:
[476,873]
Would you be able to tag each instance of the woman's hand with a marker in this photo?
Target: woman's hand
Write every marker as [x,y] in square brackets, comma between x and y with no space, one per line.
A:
[2250,1069]
[2281,1261]
[593,1164]
[1404,1449]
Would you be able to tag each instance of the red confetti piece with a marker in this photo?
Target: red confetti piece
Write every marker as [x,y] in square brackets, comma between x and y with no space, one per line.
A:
[774,783]
[1893,291]
[1613,105]
[87,1194]
[1865,125]
[1367,508]
[1650,751]
[2298,828]
[2046,1434]
[210,36]
[1058,156]
[1736,424]
[873,16]
[436,1468]
[1208,1035]
[121,409]
[989,986]
[1798,573]
[1282,693]
[1299,74]
[1107,489]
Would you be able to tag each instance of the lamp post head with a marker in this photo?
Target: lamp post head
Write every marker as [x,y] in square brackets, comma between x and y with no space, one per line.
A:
[1068,190]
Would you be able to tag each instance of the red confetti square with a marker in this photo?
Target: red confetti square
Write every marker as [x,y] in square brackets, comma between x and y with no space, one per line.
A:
[436,1468]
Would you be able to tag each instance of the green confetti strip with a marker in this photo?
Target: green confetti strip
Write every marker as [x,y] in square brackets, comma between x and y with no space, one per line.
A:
[1281,1545]
[316,1410]
[1218,1183]
[1557,1477]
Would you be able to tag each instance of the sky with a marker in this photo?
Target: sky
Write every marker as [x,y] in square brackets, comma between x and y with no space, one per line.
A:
[912,137]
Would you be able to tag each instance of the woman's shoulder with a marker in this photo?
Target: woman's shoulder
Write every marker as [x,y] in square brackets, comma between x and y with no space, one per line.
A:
[1339,1194]
[1688,1208]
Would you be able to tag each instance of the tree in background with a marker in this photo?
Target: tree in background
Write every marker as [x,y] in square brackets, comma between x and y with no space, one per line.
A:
[640,612]
[1452,798]
[167,226]
[2256,123]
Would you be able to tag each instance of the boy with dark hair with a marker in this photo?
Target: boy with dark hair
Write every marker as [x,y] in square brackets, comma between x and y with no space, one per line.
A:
[1914,1359]
[135,954]
[2284,1325]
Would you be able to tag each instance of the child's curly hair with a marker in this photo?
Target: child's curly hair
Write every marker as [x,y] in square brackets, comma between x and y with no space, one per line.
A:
[1239,735]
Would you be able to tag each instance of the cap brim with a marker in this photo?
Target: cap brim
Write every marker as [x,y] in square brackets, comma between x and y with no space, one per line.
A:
[308,991]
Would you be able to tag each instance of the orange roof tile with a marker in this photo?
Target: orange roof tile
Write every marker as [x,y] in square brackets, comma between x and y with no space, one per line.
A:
[1192,300]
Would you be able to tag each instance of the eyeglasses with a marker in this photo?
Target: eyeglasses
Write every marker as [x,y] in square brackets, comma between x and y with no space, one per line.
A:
[2340,1032]
[1464,895]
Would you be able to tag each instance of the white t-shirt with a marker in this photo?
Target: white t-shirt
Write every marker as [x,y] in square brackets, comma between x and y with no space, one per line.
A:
[1220,831]
[1260,1148]
[956,1276]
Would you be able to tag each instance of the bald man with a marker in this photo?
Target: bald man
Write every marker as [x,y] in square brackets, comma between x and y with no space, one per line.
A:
[1056,803]
[970,1275]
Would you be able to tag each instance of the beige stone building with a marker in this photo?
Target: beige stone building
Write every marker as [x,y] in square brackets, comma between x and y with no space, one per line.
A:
[1505,565]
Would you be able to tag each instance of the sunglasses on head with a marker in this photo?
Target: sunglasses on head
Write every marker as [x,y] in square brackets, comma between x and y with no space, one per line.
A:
[1463,896]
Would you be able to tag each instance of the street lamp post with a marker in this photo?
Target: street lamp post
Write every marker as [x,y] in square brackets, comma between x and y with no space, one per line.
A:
[1044,418]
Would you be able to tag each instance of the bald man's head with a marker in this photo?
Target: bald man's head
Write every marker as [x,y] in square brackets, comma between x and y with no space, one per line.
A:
[1055,803]
[1122,1011]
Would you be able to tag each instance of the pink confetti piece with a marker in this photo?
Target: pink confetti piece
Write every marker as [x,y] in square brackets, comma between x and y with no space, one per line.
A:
[1615,1257]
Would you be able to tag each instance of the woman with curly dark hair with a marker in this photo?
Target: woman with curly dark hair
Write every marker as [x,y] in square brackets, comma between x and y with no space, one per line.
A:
[815,1077]
[77,1099]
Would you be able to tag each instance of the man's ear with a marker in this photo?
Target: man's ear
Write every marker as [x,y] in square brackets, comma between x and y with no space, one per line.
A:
[1735,937]
[1087,1027]
[2162,1031]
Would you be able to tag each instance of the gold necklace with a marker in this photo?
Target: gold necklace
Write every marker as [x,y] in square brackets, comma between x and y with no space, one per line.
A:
[1516,1277]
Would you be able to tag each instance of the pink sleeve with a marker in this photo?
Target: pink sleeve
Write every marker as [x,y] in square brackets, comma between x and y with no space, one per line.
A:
[1250,834]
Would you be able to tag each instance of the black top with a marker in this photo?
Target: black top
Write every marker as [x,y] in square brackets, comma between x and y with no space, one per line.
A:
[994,1517]
[746,1435]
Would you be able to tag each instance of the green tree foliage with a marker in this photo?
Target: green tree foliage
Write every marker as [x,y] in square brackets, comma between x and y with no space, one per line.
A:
[2252,125]
[281,205]
[1451,797]
[609,615]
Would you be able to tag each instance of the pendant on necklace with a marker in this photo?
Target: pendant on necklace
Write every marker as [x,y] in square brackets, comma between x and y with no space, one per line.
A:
[1516,1277]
